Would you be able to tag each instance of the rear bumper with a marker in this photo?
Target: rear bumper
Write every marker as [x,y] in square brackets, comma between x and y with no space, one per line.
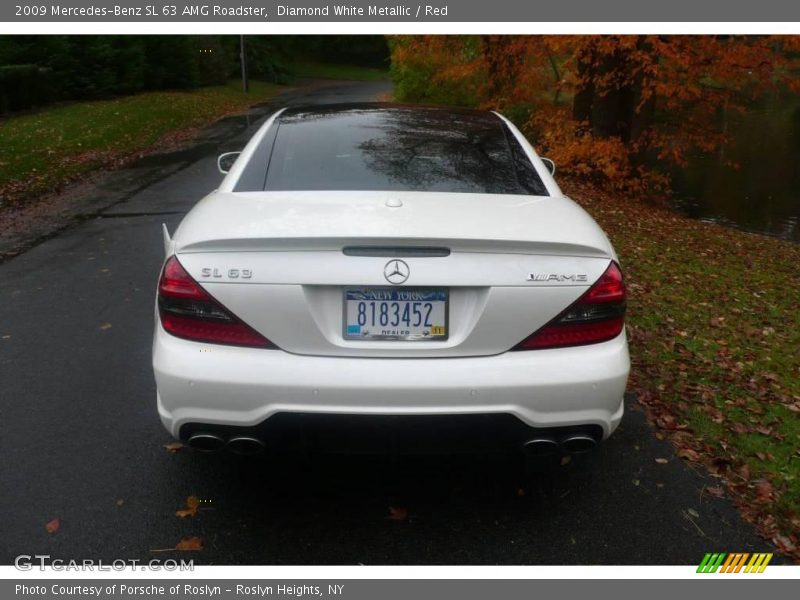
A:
[241,387]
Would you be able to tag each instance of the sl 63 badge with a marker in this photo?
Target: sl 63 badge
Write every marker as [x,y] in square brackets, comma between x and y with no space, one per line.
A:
[230,273]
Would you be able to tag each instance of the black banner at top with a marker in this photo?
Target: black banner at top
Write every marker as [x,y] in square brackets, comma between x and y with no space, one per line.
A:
[435,11]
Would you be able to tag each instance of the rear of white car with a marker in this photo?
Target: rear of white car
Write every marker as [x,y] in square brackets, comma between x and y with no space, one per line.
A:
[390,264]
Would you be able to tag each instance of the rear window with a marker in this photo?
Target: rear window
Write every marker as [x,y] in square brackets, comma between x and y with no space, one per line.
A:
[398,150]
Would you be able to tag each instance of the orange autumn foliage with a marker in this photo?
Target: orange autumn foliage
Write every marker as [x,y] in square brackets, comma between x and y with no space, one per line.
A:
[604,108]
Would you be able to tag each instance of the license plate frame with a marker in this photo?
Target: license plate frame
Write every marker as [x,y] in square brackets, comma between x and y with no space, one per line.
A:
[416,337]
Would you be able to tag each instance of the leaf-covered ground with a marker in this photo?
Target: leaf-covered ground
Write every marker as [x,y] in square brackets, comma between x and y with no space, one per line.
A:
[46,149]
[714,329]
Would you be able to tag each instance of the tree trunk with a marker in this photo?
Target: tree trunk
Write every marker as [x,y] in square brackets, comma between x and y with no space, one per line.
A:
[612,109]
[584,94]
[616,109]
[499,59]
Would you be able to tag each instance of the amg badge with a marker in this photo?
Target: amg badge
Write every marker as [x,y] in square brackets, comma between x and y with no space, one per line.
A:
[559,277]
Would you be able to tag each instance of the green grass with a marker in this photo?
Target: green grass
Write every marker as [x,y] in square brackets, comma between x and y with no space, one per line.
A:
[45,149]
[320,70]
[714,329]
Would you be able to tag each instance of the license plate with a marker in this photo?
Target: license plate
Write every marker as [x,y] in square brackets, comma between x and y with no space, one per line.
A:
[400,314]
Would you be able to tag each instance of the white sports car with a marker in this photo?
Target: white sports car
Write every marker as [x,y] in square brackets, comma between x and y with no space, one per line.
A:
[391,272]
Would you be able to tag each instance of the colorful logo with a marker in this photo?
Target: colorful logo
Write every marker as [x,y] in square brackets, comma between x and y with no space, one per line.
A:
[734,563]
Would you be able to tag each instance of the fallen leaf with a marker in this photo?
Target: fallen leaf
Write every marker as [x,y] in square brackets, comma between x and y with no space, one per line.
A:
[666,421]
[784,544]
[763,490]
[744,472]
[190,544]
[662,461]
[694,513]
[715,490]
[105,326]
[397,514]
[53,526]
[120,502]
[689,454]
[173,447]
[192,506]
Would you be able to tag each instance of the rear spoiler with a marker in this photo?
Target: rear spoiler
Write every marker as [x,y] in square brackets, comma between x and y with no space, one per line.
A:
[397,244]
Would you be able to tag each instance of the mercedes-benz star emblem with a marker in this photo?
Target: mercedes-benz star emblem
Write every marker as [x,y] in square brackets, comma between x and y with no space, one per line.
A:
[396,272]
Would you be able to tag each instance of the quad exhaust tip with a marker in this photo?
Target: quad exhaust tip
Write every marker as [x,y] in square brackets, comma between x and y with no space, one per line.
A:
[206,442]
[573,443]
[576,444]
[540,446]
[244,445]
[240,444]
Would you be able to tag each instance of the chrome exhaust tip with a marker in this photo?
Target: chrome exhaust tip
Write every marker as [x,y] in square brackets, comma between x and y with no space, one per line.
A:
[578,443]
[245,446]
[540,446]
[206,442]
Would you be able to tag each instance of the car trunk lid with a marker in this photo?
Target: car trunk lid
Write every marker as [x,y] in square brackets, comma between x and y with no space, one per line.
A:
[283,262]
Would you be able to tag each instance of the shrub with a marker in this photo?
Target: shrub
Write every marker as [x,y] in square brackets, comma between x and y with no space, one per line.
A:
[435,70]
[23,87]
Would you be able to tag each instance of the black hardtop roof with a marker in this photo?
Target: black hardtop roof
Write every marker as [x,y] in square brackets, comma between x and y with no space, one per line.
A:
[390,147]
[479,117]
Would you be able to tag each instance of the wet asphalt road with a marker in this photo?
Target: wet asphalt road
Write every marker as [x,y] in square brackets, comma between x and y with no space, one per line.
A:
[80,439]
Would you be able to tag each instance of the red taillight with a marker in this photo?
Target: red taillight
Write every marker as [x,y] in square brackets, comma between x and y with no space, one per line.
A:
[188,311]
[597,316]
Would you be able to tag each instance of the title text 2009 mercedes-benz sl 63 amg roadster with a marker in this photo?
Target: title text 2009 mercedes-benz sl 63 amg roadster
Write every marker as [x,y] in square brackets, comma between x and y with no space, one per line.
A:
[390,272]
